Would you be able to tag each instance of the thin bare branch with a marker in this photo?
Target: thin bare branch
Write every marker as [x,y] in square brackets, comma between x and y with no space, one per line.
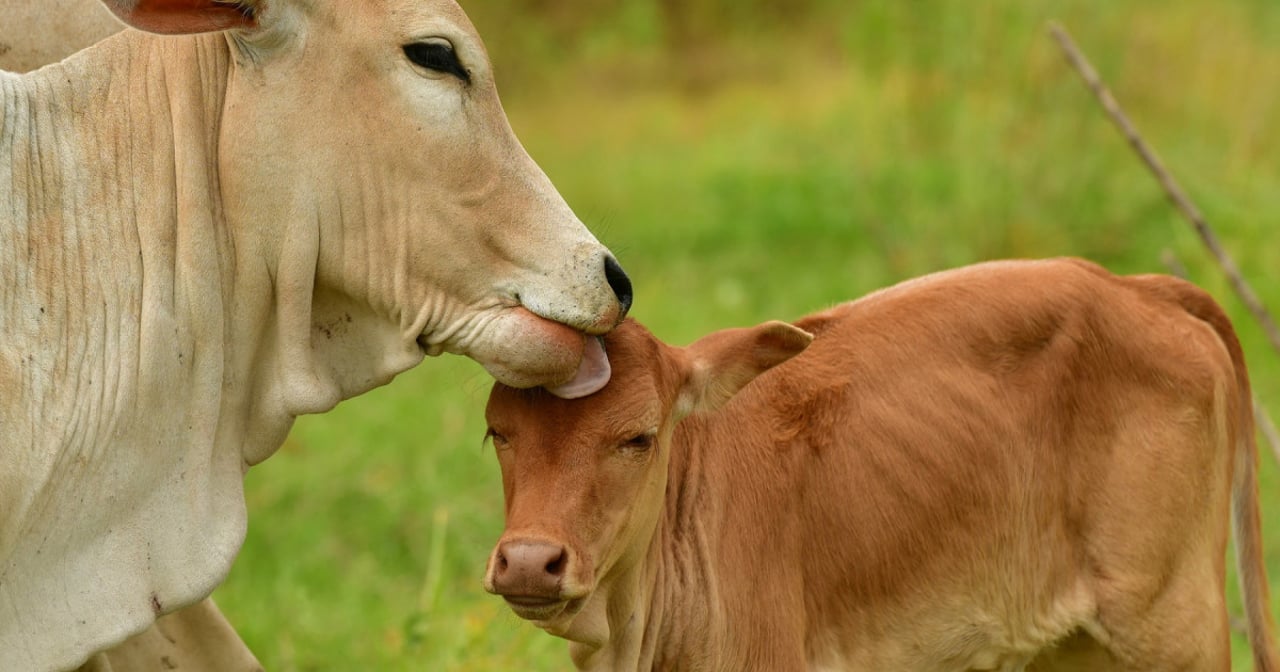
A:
[1267,427]
[1168,183]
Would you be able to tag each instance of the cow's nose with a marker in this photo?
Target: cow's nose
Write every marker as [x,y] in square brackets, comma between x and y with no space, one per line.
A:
[619,282]
[529,569]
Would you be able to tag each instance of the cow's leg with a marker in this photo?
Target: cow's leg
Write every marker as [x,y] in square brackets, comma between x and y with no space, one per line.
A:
[195,639]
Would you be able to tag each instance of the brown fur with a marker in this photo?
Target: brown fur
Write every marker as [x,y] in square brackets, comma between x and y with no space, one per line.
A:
[1016,465]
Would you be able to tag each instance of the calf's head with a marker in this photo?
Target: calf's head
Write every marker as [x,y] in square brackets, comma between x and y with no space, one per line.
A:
[365,162]
[585,479]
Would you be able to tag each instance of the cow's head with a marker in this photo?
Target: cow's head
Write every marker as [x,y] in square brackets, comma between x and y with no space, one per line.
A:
[367,167]
[585,479]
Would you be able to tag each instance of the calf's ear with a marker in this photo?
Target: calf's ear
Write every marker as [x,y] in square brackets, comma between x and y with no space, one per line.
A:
[724,362]
[177,17]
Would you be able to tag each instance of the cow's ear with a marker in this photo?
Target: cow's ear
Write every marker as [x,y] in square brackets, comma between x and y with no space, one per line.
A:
[724,362]
[178,17]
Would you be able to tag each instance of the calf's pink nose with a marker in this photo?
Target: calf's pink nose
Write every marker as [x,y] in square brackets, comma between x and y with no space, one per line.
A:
[529,569]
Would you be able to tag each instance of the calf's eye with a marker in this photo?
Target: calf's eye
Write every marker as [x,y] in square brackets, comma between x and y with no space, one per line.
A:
[639,442]
[438,57]
[499,441]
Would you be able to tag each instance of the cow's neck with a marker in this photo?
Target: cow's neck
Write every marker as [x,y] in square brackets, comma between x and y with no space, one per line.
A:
[115,272]
[114,214]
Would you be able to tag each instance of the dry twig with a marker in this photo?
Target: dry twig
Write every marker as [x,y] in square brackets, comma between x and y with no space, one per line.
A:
[1168,183]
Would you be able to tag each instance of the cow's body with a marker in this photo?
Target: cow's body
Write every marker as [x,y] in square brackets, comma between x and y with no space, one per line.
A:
[1013,466]
[203,236]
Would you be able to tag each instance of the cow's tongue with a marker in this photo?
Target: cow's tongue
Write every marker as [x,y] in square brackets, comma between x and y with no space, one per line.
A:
[593,372]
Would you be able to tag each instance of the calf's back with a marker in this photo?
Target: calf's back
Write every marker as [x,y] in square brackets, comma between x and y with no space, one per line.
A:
[975,467]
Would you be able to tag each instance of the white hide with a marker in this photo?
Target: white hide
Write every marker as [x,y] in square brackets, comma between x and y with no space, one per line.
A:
[202,237]
[34,33]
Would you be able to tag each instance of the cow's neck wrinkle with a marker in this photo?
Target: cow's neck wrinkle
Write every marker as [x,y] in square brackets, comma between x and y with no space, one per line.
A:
[114,212]
[115,273]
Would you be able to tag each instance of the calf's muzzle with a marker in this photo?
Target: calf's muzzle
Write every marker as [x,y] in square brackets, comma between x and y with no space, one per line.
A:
[528,572]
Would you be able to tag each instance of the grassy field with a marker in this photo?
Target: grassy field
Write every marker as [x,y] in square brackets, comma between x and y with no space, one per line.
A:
[752,165]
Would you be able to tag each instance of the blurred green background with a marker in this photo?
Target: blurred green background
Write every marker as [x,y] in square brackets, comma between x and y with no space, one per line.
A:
[749,162]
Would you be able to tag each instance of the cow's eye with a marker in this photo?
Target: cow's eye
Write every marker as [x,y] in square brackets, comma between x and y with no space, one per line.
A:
[639,442]
[437,56]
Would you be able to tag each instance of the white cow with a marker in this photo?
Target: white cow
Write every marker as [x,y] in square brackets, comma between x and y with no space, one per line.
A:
[202,237]
[39,32]
[197,638]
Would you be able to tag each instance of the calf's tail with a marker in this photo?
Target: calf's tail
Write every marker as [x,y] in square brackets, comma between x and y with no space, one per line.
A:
[1247,524]
[1245,516]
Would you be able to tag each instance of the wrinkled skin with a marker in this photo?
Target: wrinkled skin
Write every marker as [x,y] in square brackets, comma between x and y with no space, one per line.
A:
[203,236]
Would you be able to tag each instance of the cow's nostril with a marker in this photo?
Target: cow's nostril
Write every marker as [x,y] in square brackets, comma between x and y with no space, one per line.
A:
[502,561]
[618,282]
[556,566]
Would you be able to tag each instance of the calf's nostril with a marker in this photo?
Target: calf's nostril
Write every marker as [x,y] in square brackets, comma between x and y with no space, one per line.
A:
[618,282]
[556,566]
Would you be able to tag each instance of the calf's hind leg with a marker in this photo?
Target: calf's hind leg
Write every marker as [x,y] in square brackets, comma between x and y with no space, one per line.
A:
[1156,532]
[1181,626]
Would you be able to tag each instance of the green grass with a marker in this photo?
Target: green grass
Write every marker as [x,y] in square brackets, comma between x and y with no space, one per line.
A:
[760,171]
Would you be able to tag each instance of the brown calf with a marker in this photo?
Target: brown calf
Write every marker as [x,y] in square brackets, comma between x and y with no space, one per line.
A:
[1011,466]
